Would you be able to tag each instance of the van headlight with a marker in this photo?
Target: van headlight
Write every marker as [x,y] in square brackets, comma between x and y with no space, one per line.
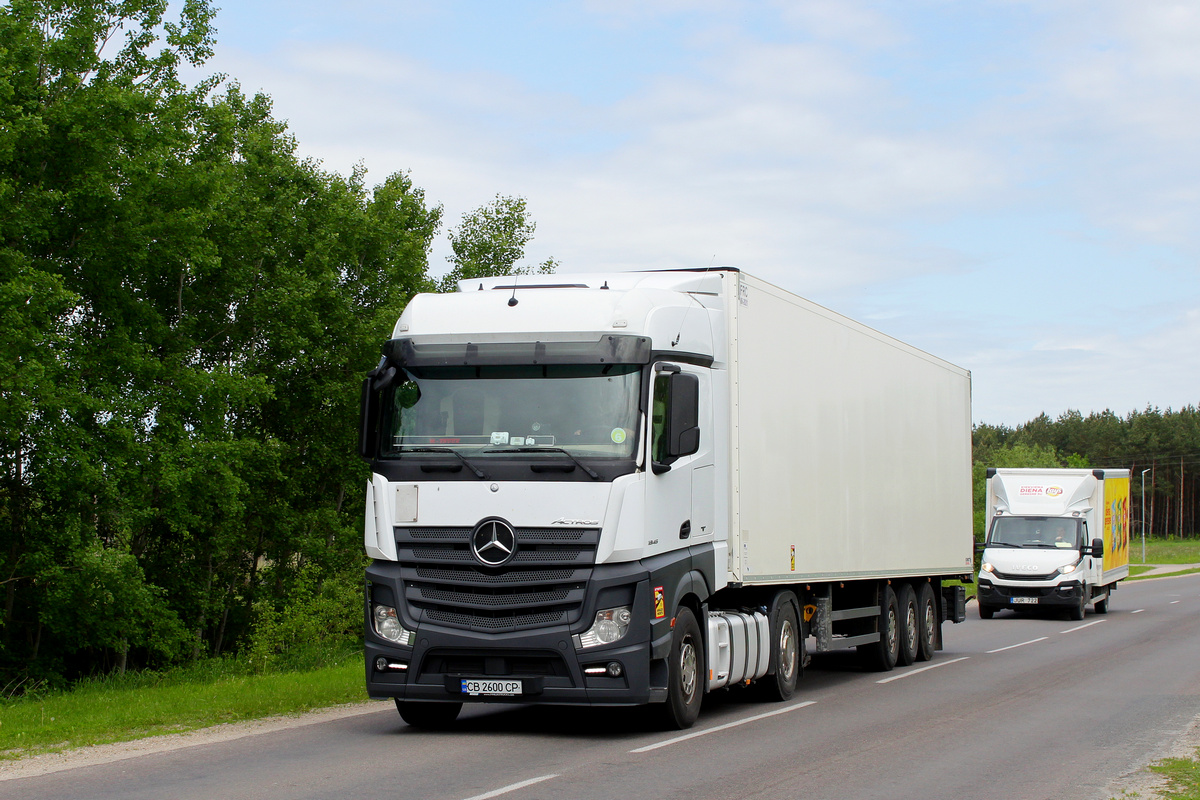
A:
[611,625]
[387,625]
[986,567]
[1067,569]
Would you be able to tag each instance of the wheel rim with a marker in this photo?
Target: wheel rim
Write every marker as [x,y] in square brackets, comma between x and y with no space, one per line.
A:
[930,623]
[892,639]
[912,627]
[787,651]
[687,669]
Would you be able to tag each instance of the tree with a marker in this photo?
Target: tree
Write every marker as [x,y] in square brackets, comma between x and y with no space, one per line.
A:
[490,241]
[186,310]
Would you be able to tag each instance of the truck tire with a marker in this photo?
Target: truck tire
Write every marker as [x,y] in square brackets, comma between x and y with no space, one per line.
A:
[881,656]
[985,612]
[1101,605]
[434,716]
[927,617]
[908,627]
[787,654]
[1076,611]
[685,672]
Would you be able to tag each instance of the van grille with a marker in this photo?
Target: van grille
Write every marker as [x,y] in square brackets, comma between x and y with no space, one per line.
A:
[544,584]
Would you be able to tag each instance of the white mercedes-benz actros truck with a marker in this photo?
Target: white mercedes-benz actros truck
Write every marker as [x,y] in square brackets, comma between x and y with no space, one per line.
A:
[631,488]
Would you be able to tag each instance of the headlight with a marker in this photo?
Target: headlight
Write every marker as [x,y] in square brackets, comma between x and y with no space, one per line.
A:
[387,625]
[1067,568]
[610,626]
[986,567]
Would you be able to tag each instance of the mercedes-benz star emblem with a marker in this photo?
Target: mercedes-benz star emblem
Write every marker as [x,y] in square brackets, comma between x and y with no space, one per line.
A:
[494,542]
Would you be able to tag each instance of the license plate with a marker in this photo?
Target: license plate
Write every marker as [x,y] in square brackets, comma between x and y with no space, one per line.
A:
[1030,600]
[491,688]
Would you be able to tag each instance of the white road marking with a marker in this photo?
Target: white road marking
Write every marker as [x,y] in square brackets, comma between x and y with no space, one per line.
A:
[1022,644]
[511,788]
[1081,627]
[724,727]
[912,672]
[1140,610]
[1173,602]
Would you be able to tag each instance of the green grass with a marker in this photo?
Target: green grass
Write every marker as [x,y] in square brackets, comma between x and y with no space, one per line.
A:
[1165,551]
[138,705]
[1183,778]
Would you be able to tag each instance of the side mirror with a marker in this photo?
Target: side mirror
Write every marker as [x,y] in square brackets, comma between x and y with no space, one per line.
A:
[1097,549]
[676,415]
[684,435]
[980,547]
[376,381]
[368,422]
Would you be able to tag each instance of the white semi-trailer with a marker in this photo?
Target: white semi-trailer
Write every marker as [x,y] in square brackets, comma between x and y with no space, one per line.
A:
[1056,538]
[637,488]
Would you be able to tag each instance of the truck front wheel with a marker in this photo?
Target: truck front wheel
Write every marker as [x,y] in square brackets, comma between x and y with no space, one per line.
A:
[1076,611]
[686,669]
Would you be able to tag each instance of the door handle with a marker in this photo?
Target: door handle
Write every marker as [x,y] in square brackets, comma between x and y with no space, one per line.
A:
[685,530]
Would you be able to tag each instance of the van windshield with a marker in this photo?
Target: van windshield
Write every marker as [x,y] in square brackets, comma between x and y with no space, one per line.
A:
[1049,532]
[588,410]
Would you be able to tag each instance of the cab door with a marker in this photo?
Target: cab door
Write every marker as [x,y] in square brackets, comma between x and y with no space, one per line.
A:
[680,486]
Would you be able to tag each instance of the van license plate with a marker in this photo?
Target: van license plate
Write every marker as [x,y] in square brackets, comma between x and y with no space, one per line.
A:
[491,688]
[1030,600]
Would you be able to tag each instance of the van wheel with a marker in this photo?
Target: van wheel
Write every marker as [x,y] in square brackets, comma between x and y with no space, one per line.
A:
[1101,606]
[908,625]
[686,668]
[1076,611]
[787,654]
[985,612]
[927,618]
[881,656]
[434,716]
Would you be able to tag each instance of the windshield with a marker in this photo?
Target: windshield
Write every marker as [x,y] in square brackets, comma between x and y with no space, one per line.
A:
[1049,532]
[588,410]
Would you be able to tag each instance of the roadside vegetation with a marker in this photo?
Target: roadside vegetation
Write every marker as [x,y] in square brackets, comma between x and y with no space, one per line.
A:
[1182,778]
[136,705]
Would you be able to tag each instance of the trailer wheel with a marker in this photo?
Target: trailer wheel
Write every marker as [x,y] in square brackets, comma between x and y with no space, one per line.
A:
[434,716]
[787,654]
[686,668]
[881,656]
[908,625]
[927,619]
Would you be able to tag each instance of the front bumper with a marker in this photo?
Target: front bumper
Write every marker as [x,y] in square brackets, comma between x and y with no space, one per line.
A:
[997,594]
[545,660]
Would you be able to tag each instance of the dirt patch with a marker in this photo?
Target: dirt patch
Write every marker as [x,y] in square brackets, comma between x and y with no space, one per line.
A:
[45,763]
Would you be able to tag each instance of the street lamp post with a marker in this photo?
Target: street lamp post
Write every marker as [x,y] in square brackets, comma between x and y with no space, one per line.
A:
[1144,514]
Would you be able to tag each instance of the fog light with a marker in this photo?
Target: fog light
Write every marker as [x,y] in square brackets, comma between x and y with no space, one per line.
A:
[381,664]
[614,669]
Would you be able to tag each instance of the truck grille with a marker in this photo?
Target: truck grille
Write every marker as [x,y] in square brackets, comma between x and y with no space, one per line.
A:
[1024,576]
[544,584]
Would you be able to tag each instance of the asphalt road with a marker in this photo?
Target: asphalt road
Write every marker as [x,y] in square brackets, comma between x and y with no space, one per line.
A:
[1014,707]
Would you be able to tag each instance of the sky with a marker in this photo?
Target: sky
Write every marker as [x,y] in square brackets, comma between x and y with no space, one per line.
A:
[1011,186]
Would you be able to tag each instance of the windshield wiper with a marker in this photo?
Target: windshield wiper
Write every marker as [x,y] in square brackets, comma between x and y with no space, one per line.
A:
[595,475]
[478,472]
